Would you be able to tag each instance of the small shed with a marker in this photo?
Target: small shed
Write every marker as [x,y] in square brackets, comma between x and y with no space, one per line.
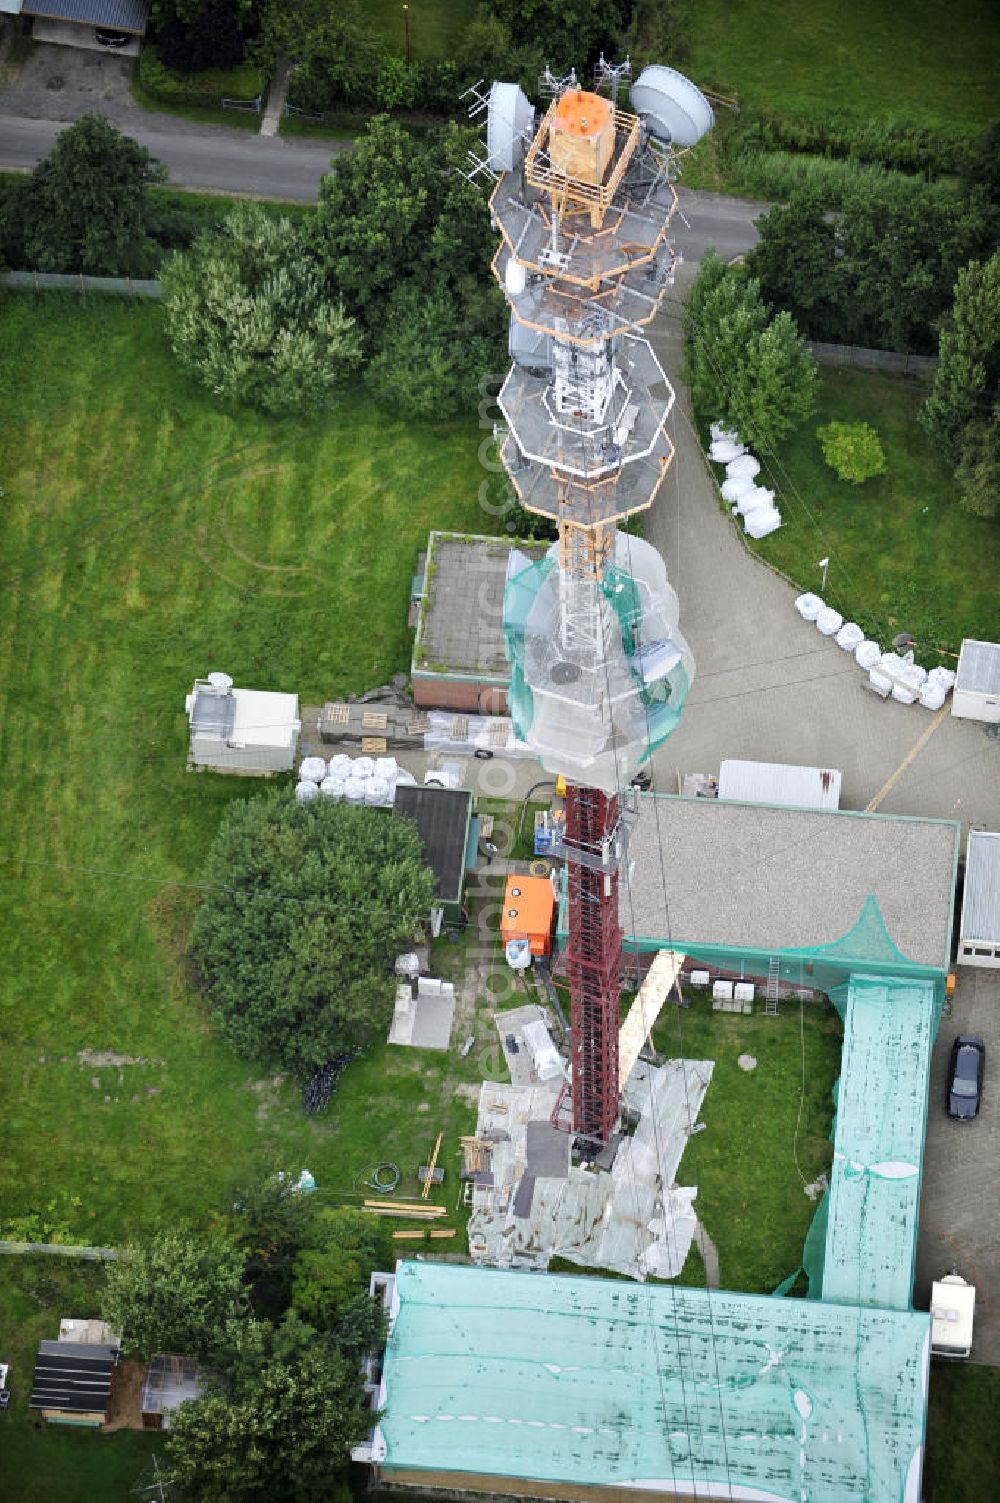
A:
[250,731]
[529,906]
[779,783]
[71,1384]
[979,929]
[170,1381]
[444,821]
[977,682]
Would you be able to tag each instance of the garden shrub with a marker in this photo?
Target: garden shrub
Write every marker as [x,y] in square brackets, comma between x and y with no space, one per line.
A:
[853,451]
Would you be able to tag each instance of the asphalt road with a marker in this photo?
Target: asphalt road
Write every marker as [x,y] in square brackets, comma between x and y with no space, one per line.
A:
[235,161]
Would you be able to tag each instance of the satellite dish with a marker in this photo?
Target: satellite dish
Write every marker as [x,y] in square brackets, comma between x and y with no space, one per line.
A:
[510,124]
[672,107]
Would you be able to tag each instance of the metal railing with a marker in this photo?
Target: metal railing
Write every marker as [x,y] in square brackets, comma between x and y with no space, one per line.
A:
[249,106]
[857,357]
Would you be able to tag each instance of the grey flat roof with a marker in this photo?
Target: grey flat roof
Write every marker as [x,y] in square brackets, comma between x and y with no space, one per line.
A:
[461,622]
[753,876]
[114,15]
[981,900]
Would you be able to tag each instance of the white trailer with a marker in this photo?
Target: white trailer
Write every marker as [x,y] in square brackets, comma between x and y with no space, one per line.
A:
[953,1309]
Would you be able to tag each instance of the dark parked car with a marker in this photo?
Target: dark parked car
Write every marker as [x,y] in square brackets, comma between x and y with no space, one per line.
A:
[965,1076]
[113,39]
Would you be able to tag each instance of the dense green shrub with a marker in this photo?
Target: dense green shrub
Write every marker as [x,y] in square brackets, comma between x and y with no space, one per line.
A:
[852,450]
[907,148]
[204,90]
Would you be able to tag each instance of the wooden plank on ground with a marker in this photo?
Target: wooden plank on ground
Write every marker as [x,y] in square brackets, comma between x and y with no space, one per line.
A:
[429,1176]
[645,1010]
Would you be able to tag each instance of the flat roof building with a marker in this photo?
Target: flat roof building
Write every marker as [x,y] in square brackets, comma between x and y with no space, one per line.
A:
[822,893]
[459,662]
[248,731]
[556,1386]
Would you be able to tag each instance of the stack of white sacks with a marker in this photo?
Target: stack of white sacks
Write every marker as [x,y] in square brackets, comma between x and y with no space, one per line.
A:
[352,780]
[888,672]
[754,503]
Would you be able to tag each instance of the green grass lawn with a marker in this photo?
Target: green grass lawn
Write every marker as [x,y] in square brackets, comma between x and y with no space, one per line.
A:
[750,1196]
[436,26]
[904,555]
[963,1437]
[868,59]
[147,537]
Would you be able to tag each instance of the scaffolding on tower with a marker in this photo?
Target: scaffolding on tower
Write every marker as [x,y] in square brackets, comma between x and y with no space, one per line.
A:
[583,201]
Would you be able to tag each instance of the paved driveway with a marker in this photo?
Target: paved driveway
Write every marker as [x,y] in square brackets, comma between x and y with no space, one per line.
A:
[769,687]
[958,1202]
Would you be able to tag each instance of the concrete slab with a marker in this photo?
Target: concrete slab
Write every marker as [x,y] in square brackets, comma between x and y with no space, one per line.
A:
[423,1021]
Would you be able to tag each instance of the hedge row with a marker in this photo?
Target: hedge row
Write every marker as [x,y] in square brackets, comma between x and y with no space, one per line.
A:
[906,148]
[198,90]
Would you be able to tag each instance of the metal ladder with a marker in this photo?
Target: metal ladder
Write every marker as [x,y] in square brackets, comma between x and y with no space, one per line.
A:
[771,991]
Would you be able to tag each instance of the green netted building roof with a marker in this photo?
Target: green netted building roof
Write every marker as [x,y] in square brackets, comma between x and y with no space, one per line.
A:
[867,1230]
[586,1382]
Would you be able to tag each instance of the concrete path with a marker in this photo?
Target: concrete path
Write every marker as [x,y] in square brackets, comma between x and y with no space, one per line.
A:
[276,95]
[709,1256]
[769,687]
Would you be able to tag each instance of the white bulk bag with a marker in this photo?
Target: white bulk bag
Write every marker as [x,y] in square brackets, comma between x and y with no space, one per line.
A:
[313,769]
[386,768]
[354,790]
[333,788]
[340,765]
[743,464]
[829,621]
[867,654]
[724,451]
[733,489]
[754,499]
[933,694]
[307,790]
[376,792]
[363,767]
[809,606]
[763,521]
[719,431]
[903,695]
[880,682]
[850,636]
[944,677]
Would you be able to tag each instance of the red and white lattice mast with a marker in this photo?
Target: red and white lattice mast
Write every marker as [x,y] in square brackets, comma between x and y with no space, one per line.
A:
[583,203]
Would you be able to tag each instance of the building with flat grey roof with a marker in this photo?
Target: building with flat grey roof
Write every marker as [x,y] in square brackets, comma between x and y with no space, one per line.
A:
[979,929]
[459,661]
[822,892]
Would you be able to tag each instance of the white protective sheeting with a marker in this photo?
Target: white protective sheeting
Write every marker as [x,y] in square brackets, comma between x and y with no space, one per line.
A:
[829,621]
[544,1054]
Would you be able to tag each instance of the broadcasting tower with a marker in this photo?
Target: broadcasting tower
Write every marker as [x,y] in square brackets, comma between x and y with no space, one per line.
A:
[583,203]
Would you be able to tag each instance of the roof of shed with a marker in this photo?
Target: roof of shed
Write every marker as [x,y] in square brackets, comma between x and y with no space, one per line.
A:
[981,899]
[73,1376]
[587,1382]
[979,667]
[114,15]
[749,876]
[442,818]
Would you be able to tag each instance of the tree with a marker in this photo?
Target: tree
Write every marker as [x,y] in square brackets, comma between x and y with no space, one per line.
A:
[247,315]
[978,472]
[337,57]
[743,366]
[967,379]
[305,905]
[569,33]
[853,450]
[211,37]
[283,1430]
[344,1249]
[86,208]
[795,262]
[173,1293]
[270,1223]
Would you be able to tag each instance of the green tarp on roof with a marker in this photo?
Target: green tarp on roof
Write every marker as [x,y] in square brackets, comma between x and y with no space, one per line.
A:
[586,1381]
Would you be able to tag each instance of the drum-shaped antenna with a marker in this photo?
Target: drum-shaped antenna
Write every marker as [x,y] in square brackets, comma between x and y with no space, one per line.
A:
[672,107]
[509,127]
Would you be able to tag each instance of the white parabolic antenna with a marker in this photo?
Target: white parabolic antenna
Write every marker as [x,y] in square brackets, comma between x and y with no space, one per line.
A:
[509,126]
[673,108]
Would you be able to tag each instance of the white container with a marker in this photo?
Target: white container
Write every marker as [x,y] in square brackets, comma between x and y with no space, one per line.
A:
[307,790]
[354,790]
[762,522]
[724,451]
[880,682]
[333,788]
[867,654]
[733,489]
[933,694]
[850,636]
[743,991]
[809,606]
[313,769]
[722,991]
[340,765]
[743,464]
[699,978]
[829,621]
